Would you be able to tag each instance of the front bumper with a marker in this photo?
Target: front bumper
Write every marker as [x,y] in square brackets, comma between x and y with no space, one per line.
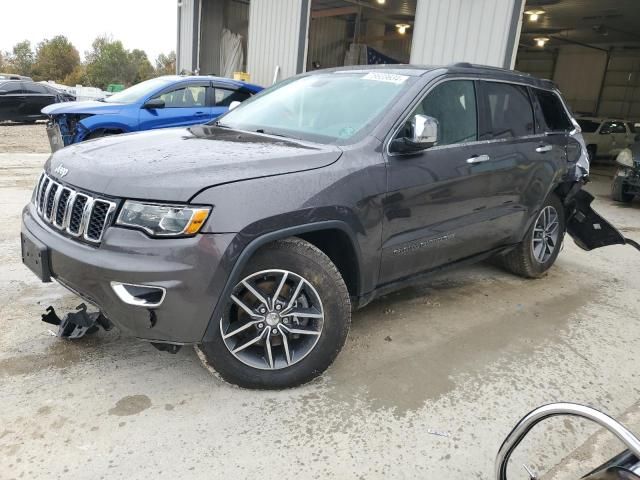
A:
[192,271]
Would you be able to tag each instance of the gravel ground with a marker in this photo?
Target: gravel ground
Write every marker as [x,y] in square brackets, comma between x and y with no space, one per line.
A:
[18,137]
[431,379]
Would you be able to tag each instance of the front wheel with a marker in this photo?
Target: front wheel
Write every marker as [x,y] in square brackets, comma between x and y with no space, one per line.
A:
[541,245]
[284,322]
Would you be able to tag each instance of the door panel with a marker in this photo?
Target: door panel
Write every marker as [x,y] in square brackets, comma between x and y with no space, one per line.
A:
[435,211]
[36,98]
[184,105]
[11,101]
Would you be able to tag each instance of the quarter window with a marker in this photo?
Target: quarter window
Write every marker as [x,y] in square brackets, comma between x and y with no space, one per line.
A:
[453,105]
[185,97]
[507,113]
[554,113]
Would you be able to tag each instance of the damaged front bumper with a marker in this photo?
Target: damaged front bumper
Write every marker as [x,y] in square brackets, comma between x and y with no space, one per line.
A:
[189,272]
[65,129]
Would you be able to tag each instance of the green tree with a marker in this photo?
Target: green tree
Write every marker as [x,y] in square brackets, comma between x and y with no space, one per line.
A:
[108,62]
[166,64]
[55,59]
[3,61]
[21,60]
[77,77]
[141,65]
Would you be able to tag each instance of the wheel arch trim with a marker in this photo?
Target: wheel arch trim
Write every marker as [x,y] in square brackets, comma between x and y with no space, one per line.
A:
[252,247]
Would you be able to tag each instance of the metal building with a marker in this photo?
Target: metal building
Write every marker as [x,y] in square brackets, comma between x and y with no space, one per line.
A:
[280,38]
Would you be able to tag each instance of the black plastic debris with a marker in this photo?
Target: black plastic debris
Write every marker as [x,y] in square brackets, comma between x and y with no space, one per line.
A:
[77,324]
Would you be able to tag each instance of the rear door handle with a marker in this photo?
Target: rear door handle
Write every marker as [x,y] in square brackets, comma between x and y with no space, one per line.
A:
[200,113]
[544,148]
[478,159]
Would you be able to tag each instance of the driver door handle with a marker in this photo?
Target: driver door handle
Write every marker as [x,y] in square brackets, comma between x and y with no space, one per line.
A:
[544,148]
[478,159]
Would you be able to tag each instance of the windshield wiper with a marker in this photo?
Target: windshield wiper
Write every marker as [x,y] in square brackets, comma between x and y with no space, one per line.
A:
[262,130]
[220,125]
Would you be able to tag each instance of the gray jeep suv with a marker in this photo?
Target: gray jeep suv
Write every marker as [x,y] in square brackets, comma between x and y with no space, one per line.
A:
[254,237]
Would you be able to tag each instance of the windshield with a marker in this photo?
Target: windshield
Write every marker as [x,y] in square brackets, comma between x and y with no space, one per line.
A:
[324,108]
[138,92]
[588,126]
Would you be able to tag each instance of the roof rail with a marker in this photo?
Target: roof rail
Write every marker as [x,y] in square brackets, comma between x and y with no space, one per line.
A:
[461,64]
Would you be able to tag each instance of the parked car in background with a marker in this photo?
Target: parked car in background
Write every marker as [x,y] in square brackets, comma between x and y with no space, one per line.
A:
[13,76]
[606,137]
[23,101]
[626,183]
[253,236]
[169,101]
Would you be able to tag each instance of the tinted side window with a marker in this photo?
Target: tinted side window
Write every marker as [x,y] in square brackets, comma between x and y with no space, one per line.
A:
[185,97]
[453,105]
[223,97]
[554,113]
[33,88]
[11,87]
[508,111]
[618,127]
[632,127]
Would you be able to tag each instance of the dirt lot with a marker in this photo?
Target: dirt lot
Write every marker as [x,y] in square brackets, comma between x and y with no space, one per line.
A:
[17,137]
[431,379]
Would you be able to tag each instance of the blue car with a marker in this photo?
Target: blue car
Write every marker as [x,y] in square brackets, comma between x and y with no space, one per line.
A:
[169,101]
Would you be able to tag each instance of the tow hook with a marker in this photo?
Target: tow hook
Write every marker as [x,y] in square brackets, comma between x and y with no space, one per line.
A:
[77,324]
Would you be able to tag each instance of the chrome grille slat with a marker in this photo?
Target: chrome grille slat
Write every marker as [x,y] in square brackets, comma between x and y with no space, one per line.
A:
[77,214]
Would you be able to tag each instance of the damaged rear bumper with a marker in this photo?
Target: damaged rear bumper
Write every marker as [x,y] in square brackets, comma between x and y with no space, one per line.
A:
[189,271]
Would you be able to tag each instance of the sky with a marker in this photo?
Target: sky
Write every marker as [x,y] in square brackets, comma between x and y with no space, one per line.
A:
[150,25]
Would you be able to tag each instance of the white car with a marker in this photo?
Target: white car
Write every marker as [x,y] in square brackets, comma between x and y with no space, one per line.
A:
[606,137]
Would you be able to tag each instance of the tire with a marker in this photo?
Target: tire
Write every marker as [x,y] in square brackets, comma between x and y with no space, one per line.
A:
[267,364]
[526,261]
[592,151]
[618,191]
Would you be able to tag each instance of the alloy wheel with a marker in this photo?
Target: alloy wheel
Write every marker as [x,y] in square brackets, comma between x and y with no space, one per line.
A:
[275,319]
[546,234]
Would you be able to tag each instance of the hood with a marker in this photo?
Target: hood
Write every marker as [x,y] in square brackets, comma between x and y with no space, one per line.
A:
[175,164]
[87,106]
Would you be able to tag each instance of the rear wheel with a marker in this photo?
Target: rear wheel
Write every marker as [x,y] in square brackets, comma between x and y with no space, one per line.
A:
[618,191]
[541,245]
[284,322]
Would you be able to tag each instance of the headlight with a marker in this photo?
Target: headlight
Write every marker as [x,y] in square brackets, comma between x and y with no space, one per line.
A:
[625,158]
[163,220]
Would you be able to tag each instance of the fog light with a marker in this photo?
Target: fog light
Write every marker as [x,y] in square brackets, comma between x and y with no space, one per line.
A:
[139,295]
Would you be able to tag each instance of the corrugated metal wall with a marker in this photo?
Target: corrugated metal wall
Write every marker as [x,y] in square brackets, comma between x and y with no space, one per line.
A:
[327,42]
[187,10]
[621,92]
[477,31]
[581,72]
[275,36]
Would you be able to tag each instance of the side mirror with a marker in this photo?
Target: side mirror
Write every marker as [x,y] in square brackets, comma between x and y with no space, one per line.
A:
[154,103]
[422,134]
[234,104]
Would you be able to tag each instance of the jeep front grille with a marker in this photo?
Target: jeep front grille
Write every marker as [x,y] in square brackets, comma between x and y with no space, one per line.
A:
[68,210]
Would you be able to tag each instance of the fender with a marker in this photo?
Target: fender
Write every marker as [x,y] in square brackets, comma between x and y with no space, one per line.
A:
[262,240]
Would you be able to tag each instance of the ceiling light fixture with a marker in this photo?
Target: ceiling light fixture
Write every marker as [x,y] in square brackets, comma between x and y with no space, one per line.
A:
[402,28]
[534,15]
[541,41]
[381,2]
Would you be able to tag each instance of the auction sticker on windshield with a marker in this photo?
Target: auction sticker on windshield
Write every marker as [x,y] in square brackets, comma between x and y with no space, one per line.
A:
[386,77]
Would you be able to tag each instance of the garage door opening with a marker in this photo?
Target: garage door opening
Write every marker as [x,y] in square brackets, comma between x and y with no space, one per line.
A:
[590,49]
[345,32]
